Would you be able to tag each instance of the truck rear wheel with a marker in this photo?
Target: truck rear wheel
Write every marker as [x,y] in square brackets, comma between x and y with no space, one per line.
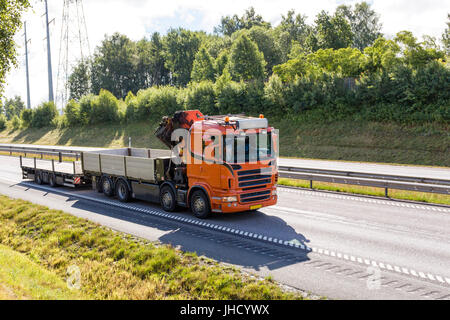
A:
[52,180]
[167,199]
[200,204]
[38,177]
[122,191]
[107,187]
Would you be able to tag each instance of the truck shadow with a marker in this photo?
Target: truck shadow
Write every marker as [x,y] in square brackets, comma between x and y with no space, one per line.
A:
[220,246]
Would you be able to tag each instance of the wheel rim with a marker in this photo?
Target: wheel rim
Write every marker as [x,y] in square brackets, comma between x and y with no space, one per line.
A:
[106,186]
[167,199]
[199,204]
[122,191]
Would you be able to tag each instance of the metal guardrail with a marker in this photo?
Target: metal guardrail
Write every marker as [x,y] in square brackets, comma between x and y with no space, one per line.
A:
[419,184]
[41,152]
[387,182]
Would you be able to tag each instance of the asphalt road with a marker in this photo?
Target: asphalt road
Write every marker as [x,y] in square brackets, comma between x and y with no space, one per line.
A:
[339,246]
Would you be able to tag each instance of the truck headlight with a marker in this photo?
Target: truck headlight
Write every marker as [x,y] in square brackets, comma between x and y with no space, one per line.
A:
[229,199]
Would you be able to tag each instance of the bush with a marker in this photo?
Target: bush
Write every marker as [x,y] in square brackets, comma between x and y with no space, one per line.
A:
[105,108]
[2,122]
[72,113]
[158,101]
[27,117]
[44,115]
[201,96]
[16,122]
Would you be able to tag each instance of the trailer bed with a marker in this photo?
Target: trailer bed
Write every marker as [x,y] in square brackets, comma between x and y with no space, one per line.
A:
[73,168]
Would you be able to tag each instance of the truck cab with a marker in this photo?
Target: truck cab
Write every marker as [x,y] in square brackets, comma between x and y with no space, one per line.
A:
[226,163]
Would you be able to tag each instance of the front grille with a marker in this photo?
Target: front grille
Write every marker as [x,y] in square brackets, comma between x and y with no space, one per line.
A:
[255,196]
[256,177]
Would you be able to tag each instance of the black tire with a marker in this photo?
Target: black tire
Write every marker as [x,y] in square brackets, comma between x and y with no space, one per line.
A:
[199,204]
[38,177]
[167,199]
[52,180]
[98,184]
[107,187]
[122,191]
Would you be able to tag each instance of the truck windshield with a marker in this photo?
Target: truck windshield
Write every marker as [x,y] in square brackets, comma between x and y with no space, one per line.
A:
[248,148]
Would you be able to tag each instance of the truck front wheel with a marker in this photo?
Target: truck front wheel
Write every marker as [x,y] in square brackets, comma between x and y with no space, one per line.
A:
[200,204]
[167,199]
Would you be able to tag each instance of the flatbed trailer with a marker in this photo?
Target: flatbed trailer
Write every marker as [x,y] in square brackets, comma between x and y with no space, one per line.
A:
[126,172]
[69,174]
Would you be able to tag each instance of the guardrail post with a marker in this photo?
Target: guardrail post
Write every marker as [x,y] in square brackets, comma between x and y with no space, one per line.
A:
[310,184]
[53,165]
[60,156]
[76,156]
[42,155]
[20,159]
[386,192]
[34,163]
[74,167]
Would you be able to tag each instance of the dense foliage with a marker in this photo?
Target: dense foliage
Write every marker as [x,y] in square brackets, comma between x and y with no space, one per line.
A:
[339,67]
[10,15]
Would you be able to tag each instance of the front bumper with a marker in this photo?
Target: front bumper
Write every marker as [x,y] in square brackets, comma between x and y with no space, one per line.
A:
[219,206]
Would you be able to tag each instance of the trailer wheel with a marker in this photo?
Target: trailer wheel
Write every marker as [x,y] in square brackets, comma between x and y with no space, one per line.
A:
[38,177]
[122,191]
[107,187]
[167,199]
[98,184]
[200,204]
[52,180]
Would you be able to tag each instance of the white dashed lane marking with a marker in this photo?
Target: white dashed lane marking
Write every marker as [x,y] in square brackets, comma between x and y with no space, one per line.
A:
[261,237]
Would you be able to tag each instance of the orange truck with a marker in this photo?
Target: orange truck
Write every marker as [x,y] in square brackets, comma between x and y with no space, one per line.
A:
[216,164]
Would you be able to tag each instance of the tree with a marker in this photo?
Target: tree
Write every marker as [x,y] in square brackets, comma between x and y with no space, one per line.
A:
[246,61]
[382,55]
[265,40]
[159,75]
[80,80]
[10,15]
[292,29]
[114,66]
[415,54]
[13,107]
[446,36]
[330,32]
[181,47]
[203,66]
[365,24]
[229,25]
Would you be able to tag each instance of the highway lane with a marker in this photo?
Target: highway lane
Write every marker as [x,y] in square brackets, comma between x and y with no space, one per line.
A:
[363,167]
[411,237]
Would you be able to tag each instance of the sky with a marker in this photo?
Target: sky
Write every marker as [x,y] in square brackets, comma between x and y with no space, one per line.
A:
[140,18]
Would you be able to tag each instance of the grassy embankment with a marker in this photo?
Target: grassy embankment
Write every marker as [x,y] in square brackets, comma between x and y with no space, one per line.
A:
[426,144]
[37,245]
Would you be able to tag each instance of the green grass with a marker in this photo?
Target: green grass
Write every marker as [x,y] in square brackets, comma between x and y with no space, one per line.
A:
[424,144]
[371,191]
[114,265]
[22,278]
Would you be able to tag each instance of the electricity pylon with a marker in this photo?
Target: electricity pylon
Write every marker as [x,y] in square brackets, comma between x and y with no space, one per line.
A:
[74,47]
